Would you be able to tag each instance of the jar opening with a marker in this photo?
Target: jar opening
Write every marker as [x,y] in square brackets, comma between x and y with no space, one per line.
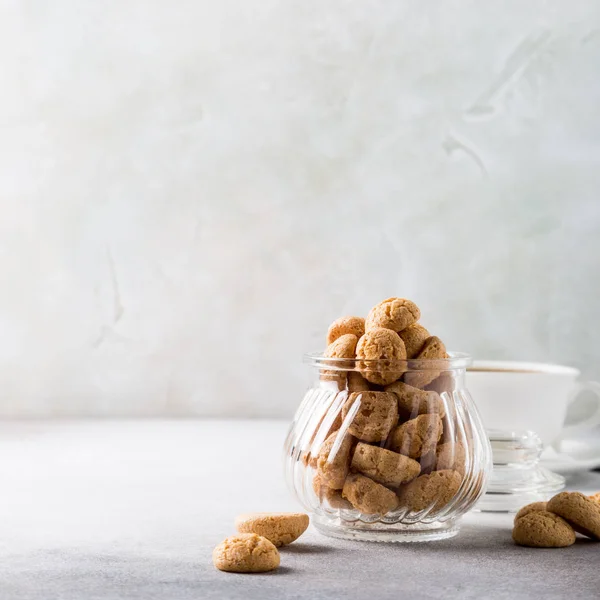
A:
[456,361]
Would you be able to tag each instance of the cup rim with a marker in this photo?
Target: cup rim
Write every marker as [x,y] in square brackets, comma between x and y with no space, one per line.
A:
[516,366]
[456,360]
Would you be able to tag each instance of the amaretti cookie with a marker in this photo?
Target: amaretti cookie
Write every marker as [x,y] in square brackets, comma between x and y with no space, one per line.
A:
[278,528]
[395,314]
[417,437]
[543,529]
[433,348]
[379,352]
[368,496]
[345,325]
[246,553]
[384,466]
[434,490]
[412,401]
[375,417]
[333,461]
[414,337]
[532,507]
[582,513]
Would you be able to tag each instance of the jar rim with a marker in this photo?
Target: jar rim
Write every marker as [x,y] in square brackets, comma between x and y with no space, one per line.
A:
[455,361]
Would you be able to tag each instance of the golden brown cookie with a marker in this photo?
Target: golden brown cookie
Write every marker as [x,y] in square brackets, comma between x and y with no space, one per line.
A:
[333,497]
[333,461]
[581,512]
[595,497]
[379,351]
[412,401]
[343,347]
[543,529]
[384,466]
[417,437]
[278,528]
[451,455]
[528,508]
[394,313]
[367,496]
[446,382]
[433,348]
[246,553]
[436,489]
[357,383]
[414,337]
[345,325]
[376,416]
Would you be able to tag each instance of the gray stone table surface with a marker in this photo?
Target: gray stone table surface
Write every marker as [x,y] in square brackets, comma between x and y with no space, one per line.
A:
[132,509]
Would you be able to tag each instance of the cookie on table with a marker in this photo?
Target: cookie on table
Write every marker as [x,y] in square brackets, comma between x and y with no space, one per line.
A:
[333,497]
[386,348]
[414,337]
[528,508]
[376,416]
[412,401]
[395,314]
[345,325]
[451,455]
[433,348]
[384,466]
[333,461]
[246,553]
[368,496]
[278,528]
[434,490]
[342,347]
[595,497]
[581,512]
[543,529]
[417,437]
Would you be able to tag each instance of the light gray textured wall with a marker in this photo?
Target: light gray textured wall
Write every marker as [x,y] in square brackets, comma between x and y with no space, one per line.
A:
[191,191]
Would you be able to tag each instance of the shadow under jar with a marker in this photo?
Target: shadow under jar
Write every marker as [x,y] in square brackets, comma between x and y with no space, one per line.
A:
[386,450]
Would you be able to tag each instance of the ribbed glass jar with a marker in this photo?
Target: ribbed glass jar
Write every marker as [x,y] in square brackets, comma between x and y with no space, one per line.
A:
[400,462]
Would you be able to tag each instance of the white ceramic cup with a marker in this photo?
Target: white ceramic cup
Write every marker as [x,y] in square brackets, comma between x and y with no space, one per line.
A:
[520,396]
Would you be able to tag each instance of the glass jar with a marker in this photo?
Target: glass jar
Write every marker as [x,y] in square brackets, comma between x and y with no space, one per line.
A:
[387,450]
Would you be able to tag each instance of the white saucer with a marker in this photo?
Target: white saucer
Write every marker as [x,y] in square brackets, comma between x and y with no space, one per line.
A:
[580,454]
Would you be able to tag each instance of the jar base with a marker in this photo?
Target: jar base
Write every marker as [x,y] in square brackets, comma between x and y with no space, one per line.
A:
[384,532]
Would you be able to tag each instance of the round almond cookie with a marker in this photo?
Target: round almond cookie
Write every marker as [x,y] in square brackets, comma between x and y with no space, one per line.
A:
[543,529]
[342,347]
[432,348]
[414,337]
[412,401]
[345,325]
[528,508]
[582,513]
[375,417]
[451,455]
[394,313]
[386,348]
[278,528]
[433,490]
[384,466]
[333,461]
[246,553]
[369,497]
[417,437]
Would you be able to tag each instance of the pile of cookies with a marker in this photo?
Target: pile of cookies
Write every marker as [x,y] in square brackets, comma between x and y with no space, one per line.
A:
[553,524]
[254,549]
[389,445]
